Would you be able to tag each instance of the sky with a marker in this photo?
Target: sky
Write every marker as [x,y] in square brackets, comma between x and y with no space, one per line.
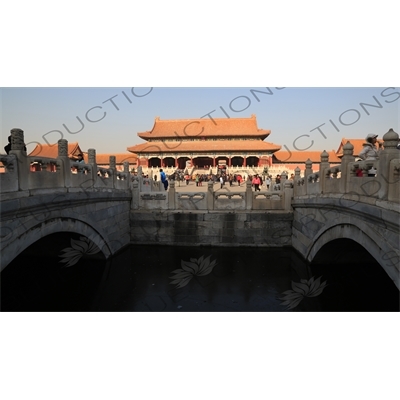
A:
[299,118]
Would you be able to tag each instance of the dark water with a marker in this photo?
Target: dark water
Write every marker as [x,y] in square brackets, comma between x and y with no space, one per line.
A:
[140,278]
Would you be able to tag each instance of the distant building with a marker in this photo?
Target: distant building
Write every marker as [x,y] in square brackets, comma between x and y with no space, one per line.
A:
[205,143]
[298,158]
[51,151]
[103,160]
[357,143]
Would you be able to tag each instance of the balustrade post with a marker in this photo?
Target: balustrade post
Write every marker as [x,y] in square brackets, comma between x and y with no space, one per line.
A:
[288,193]
[135,193]
[171,195]
[323,166]
[284,178]
[113,168]
[348,157]
[308,171]
[18,148]
[249,196]
[296,179]
[210,195]
[389,153]
[65,173]
[93,162]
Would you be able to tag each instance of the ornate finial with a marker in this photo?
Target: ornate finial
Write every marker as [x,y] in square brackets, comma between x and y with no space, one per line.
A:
[308,164]
[92,156]
[324,157]
[390,139]
[348,149]
[126,166]
[113,162]
[17,139]
[297,172]
[63,148]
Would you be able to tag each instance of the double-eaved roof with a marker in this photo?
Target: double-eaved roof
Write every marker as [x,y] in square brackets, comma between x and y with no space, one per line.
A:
[205,127]
[205,135]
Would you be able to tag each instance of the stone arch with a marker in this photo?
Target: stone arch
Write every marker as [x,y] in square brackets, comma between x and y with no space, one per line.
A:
[384,253]
[48,227]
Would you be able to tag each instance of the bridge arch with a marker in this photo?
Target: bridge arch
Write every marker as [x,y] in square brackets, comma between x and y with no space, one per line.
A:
[386,255]
[45,228]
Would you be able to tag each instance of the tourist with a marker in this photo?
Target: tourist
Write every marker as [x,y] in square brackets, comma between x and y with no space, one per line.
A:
[155,178]
[7,148]
[221,181]
[163,178]
[256,183]
[370,152]
[268,182]
[80,160]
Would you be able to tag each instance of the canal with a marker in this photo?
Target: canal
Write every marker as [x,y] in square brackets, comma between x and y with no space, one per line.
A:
[155,278]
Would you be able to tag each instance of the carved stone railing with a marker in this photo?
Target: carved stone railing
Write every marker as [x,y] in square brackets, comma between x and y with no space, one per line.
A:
[9,179]
[380,178]
[211,200]
[23,172]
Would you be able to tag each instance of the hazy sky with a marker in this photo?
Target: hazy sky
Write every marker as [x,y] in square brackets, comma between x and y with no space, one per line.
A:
[299,118]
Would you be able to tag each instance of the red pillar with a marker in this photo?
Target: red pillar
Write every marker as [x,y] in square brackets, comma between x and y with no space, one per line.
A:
[213,162]
[244,162]
[176,162]
[229,162]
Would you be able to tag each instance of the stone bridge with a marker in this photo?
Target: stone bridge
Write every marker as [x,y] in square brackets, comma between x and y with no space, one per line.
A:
[61,196]
[114,209]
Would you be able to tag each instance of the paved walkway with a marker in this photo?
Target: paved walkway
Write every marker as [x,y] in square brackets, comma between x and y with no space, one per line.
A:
[217,187]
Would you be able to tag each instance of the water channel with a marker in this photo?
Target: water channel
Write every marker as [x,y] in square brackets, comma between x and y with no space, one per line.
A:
[155,278]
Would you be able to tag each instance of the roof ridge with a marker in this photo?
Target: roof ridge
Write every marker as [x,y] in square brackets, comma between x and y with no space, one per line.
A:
[197,119]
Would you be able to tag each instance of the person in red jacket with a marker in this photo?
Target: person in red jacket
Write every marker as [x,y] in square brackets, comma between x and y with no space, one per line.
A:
[256,182]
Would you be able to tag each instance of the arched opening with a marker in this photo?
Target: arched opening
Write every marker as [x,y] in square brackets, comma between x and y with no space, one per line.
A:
[237,161]
[182,162]
[355,280]
[203,162]
[169,162]
[37,280]
[154,162]
[252,161]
